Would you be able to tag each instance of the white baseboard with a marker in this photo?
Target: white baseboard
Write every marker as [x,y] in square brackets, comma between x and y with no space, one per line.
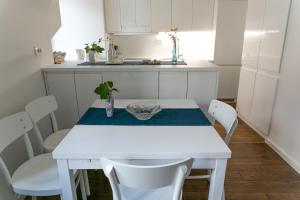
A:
[272,145]
[252,126]
[283,155]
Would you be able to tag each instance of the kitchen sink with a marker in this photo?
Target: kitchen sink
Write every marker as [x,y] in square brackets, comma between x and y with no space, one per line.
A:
[132,63]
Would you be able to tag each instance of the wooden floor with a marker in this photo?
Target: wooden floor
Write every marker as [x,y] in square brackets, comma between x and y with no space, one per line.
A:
[255,172]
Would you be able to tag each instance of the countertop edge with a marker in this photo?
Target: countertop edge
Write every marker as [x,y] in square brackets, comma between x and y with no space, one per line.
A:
[73,67]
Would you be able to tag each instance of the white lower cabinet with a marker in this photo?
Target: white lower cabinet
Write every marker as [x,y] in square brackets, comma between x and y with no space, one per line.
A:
[245,92]
[134,85]
[86,82]
[61,85]
[263,100]
[74,90]
[172,85]
[202,87]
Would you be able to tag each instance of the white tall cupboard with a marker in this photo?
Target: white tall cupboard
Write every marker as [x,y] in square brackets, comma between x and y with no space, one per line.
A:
[266,25]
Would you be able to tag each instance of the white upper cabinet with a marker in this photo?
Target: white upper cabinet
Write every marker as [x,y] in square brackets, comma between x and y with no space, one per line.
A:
[275,23]
[143,16]
[182,14]
[161,13]
[143,13]
[203,15]
[127,8]
[112,16]
[135,15]
[253,32]
[193,15]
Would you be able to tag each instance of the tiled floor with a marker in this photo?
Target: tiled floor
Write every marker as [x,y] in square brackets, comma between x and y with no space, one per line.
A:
[255,172]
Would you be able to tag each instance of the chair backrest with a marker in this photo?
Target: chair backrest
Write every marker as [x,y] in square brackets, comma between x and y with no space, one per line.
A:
[225,115]
[12,128]
[40,108]
[147,177]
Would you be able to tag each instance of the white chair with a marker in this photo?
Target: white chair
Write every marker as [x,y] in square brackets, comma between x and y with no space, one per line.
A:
[227,117]
[39,175]
[140,182]
[40,108]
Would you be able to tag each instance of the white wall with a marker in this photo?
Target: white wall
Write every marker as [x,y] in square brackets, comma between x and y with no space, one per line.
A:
[285,129]
[193,45]
[229,45]
[82,22]
[24,24]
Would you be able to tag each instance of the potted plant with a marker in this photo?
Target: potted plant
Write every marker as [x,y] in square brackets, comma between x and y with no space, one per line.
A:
[92,49]
[105,91]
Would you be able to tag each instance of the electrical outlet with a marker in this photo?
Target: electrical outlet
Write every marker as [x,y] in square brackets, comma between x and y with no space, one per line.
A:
[37,51]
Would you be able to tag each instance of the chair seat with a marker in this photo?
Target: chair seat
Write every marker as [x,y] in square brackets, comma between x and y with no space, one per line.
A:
[37,177]
[51,142]
[165,193]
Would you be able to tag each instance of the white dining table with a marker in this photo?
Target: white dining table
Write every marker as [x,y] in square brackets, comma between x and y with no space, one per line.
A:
[85,145]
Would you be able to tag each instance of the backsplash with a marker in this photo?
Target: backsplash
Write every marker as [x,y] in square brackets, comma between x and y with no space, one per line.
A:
[192,45]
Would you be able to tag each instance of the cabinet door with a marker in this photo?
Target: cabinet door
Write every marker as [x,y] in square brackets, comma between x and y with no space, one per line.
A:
[172,85]
[134,85]
[263,100]
[61,85]
[85,86]
[253,32]
[275,23]
[245,92]
[143,12]
[112,16]
[127,12]
[230,32]
[203,15]
[161,12]
[202,87]
[135,16]
[182,14]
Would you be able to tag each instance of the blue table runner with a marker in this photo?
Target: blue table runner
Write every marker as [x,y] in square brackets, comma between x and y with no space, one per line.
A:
[166,117]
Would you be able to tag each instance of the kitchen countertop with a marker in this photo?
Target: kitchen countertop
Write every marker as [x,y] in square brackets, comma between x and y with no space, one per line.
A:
[200,65]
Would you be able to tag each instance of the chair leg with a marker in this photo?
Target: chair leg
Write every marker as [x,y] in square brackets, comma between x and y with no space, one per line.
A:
[209,172]
[82,186]
[223,195]
[86,183]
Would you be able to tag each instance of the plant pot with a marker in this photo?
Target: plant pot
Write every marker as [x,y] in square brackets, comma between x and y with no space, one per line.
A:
[110,107]
[92,57]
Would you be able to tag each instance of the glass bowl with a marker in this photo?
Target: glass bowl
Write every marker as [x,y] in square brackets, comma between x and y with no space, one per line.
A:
[143,110]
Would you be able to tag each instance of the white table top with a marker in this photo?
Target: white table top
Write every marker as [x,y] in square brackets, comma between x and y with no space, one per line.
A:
[143,142]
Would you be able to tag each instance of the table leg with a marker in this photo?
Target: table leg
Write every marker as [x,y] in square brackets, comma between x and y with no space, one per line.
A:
[67,181]
[86,181]
[217,180]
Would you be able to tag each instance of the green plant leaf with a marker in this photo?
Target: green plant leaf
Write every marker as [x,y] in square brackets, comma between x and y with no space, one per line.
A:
[110,83]
[105,89]
[94,46]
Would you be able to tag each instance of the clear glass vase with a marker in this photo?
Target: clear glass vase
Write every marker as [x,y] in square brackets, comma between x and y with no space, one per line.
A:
[174,54]
[110,107]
